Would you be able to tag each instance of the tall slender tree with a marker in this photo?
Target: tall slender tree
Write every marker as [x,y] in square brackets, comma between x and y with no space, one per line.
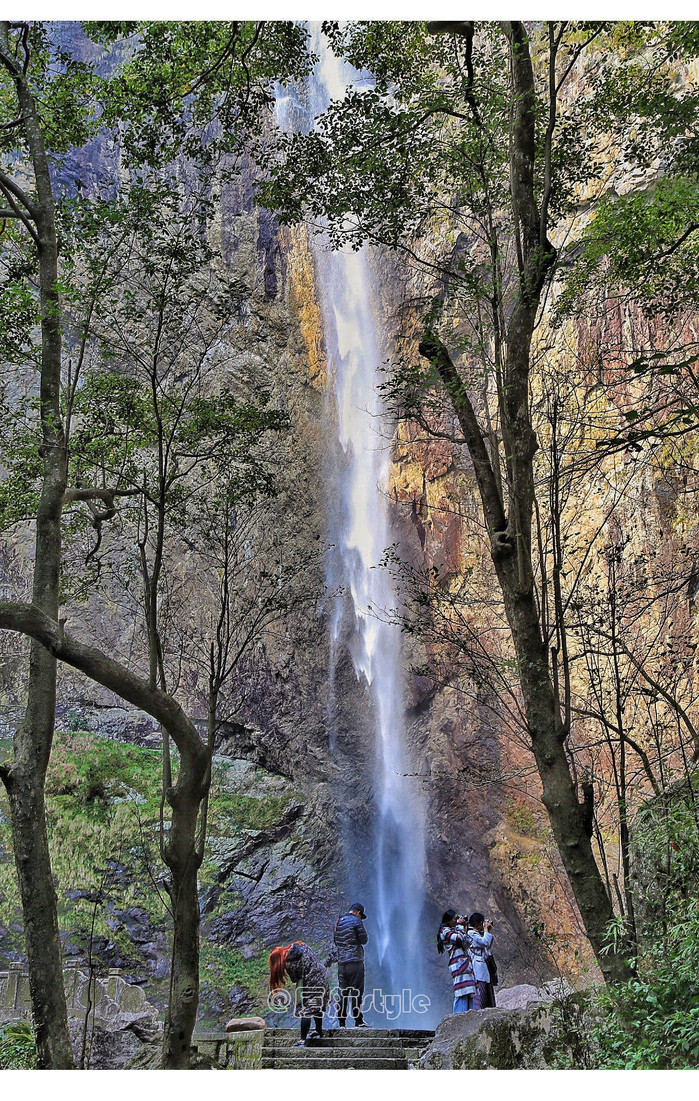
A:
[191,91]
[25,777]
[178,437]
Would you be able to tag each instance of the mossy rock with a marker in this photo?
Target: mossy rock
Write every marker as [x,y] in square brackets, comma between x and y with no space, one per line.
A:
[535,1038]
[508,1041]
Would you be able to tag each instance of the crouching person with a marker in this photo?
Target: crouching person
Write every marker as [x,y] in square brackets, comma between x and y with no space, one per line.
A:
[299,963]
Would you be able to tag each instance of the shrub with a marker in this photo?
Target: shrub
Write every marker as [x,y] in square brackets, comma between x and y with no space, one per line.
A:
[524,821]
[17,1046]
[652,1021]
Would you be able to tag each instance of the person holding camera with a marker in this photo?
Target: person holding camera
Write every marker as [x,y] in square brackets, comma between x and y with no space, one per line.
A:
[452,935]
[480,938]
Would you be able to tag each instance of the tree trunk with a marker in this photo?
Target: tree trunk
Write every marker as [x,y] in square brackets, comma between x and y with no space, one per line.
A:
[511,553]
[179,848]
[25,783]
[31,852]
[181,852]
[182,859]
[25,779]
[559,795]
[509,523]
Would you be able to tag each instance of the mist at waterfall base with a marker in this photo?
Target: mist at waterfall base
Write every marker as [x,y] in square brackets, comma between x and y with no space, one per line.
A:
[386,868]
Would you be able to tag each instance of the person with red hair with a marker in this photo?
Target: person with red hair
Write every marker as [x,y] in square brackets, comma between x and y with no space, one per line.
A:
[299,963]
[277,959]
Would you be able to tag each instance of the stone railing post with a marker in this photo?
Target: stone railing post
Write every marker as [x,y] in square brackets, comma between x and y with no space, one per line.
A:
[71,979]
[13,977]
[113,984]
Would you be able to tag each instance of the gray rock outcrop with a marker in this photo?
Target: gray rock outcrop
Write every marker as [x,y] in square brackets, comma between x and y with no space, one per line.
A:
[531,1029]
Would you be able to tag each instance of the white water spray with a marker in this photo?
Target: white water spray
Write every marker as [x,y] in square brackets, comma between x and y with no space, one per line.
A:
[360,535]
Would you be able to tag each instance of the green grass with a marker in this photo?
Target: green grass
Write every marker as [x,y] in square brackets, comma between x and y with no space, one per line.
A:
[224,967]
[232,812]
[95,771]
[103,800]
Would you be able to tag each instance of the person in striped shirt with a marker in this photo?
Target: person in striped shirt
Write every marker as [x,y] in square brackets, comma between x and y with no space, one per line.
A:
[453,937]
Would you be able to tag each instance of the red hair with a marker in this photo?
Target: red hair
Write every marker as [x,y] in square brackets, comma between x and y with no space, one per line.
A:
[277,960]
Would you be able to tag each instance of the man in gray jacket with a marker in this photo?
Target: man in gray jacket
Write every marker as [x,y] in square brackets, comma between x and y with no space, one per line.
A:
[349,939]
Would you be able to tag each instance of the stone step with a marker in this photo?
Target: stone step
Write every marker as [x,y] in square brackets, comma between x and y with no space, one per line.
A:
[306,1060]
[350,1036]
[340,1038]
[344,1051]
[418,1034]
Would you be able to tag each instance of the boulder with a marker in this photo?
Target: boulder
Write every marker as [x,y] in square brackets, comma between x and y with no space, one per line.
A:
[105,1048]
[115,1045]
[531,1029]
[519,997]
[244,1024]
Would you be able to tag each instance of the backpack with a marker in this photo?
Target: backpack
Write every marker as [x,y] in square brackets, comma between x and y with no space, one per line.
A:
[492,969]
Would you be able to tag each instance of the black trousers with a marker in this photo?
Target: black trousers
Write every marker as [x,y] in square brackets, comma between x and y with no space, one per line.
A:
[306,1026]
[350,978]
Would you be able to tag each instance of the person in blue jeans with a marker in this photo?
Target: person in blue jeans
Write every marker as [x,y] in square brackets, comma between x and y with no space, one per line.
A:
[453,937]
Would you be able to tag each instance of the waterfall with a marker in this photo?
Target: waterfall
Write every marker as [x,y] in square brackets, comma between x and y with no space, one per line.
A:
[359,535]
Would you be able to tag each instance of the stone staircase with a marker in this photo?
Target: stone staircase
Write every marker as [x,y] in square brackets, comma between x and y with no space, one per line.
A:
[344,1049]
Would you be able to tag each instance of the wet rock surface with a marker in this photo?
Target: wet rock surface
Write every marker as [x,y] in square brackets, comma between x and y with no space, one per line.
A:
[273,884]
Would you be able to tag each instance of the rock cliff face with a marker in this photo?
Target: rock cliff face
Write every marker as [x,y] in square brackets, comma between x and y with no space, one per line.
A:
[630,535]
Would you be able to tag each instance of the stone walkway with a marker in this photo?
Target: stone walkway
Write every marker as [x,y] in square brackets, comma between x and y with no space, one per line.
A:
[344,1049]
